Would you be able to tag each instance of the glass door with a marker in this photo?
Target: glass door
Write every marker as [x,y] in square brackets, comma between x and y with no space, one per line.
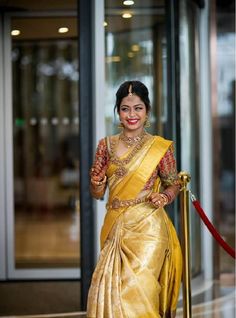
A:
[136,49]
[42,124]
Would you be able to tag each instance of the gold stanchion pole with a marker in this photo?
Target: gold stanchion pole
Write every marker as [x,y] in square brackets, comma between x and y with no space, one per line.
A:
[184,204]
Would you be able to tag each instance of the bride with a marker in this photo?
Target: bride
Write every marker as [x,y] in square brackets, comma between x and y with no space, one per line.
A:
[138,273]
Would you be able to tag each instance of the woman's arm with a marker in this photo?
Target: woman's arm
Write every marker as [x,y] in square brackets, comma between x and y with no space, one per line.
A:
[98,179]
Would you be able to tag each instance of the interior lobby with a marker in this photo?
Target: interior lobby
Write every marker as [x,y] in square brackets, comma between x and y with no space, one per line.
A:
[61,63]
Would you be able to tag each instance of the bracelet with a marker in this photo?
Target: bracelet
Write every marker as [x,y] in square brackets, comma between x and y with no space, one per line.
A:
[169,194]
[99,183]
[162,201]
[97,191]
[165,198]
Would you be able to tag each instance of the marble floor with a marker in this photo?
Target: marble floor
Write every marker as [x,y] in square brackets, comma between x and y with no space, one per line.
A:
[211,299]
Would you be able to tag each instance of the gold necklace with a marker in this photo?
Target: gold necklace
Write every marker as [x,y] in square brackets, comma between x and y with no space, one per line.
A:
[131,141]
[121,171]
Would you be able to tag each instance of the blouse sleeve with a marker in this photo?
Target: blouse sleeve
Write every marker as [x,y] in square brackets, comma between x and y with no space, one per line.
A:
[167,169]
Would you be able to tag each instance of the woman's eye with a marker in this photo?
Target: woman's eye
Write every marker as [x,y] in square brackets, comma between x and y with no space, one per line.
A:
[124,109]
[138,108]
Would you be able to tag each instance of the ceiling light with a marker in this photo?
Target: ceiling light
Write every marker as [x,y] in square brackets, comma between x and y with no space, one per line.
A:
[65,121]
[55,121]
[105,24]
[115,58]
[130,54]
[63,30]
[44,121]
[126,15]
[33,121]
[15,32]
[128,2]
[135,47]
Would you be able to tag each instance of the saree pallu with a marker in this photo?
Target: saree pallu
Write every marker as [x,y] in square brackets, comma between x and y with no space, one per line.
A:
[139,269]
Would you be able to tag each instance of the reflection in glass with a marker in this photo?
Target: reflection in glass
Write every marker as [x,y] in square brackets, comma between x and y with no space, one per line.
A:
[46,152]
[224,120]
[135,49]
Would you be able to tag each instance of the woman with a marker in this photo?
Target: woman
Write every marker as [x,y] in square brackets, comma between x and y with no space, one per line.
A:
[138,274]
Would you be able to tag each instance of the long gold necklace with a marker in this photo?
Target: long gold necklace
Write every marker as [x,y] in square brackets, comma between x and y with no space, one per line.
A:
[121,171]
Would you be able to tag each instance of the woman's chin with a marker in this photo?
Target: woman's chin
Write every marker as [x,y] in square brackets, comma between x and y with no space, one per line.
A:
[133,127]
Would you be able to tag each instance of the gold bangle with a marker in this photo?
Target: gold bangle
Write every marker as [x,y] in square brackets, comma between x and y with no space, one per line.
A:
[99,183]
[165,198]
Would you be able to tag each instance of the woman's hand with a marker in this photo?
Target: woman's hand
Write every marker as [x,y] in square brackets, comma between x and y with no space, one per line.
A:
[159,200]
[98,172]
[99,168]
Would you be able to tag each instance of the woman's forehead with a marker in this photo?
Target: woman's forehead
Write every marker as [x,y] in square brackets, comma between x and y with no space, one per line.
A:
[131,100]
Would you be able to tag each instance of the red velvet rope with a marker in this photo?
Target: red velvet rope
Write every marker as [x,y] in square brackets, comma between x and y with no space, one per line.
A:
[213,230]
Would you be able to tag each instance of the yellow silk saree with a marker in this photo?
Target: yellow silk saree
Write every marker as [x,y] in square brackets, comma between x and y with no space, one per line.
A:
[139,270]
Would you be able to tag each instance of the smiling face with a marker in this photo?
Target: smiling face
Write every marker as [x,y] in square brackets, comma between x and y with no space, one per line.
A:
[133,113]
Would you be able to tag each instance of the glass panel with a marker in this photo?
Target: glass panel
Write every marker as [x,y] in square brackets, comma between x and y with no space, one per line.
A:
[135,48]
[224,124]
[189,78]
[46,148]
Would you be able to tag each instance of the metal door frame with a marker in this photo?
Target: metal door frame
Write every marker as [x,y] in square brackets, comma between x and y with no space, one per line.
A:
[3,263]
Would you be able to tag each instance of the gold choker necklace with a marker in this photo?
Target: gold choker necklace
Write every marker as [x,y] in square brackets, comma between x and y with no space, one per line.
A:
[131,141]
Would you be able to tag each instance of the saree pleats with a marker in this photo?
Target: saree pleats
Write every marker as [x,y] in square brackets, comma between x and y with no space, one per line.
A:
[137,272]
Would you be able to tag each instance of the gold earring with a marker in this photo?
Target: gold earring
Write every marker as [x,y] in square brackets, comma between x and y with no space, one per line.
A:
[147,123]
[120,126]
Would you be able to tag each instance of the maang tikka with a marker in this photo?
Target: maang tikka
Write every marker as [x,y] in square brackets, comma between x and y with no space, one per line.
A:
[130,93]
[130,90]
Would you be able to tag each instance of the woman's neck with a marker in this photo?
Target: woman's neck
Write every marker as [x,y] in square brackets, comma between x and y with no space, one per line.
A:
[133,133]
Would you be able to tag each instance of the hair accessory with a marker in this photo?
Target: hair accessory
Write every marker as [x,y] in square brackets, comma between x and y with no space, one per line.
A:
[130,90]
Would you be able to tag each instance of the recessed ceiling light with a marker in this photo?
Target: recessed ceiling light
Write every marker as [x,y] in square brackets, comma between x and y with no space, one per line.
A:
[128,2]
[127,15]
[130,54]
[105,24]
[44,121]
[65,121]
[114,58]
[135,47]
[33,121]
[15,32]
[63,30]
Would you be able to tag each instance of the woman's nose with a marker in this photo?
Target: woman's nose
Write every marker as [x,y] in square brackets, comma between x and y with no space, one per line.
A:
[131,112]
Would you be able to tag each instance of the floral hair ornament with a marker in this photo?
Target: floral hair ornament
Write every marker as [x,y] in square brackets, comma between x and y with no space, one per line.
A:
[130,90]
